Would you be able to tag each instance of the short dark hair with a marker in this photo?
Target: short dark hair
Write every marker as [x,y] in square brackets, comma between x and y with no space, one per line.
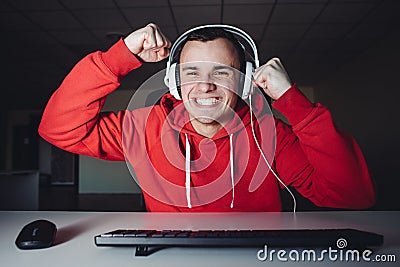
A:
[210,34]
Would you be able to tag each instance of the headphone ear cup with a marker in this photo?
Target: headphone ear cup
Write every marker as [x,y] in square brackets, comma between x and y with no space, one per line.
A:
[171,82]
[248,78]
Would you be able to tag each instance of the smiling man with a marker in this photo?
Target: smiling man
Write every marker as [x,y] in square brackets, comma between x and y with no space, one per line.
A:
[209,90]
[208,151]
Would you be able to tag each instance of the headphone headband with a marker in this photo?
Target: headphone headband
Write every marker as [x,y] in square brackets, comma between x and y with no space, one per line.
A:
[228,28]
[172,77]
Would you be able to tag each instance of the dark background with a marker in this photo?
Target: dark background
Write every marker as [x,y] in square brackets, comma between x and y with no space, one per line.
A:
[347,50]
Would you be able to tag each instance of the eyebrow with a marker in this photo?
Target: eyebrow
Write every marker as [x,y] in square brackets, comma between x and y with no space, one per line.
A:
[221,67]
[218,67]
[190,68]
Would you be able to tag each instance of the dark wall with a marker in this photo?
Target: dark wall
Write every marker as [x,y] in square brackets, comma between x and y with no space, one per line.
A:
[3,135]
[364,99]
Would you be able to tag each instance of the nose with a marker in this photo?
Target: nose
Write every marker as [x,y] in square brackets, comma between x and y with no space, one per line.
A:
[206,87]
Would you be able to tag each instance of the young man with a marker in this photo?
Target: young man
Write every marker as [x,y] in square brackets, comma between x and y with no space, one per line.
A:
[203,153]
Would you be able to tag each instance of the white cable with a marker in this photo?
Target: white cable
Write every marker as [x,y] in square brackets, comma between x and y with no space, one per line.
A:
[232,173]
[187,170]
[265,158]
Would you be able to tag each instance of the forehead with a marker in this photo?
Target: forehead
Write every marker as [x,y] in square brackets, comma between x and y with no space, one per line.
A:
[219,50]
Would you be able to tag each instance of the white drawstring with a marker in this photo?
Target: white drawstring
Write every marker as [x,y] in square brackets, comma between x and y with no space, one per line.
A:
[187,170]
[232,173]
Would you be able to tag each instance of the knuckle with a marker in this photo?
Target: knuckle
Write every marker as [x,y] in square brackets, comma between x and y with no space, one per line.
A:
[269,67]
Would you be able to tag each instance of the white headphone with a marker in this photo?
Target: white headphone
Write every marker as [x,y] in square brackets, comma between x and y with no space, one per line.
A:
[172,78]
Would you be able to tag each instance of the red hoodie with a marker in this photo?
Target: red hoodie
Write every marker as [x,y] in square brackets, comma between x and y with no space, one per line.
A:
[180,170]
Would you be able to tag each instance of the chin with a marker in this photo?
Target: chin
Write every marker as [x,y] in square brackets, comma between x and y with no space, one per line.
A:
[206,120]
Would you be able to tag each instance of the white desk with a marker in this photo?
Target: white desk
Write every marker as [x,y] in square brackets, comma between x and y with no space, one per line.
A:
[76,230]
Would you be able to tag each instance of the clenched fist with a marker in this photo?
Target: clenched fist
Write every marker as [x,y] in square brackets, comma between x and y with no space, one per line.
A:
[148,43]
[272,78]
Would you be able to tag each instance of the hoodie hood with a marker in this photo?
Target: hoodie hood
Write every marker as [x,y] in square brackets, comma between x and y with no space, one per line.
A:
[178,119]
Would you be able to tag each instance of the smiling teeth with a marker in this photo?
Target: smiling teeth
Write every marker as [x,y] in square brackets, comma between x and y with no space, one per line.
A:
[206,101]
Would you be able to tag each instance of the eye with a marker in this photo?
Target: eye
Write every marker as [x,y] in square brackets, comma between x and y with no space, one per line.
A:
[221,74]
[191,73]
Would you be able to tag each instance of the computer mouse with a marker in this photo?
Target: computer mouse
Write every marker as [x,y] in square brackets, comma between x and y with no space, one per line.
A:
[36,235]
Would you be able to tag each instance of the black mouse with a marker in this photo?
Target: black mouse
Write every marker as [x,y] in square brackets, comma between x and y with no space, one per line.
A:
[37,234]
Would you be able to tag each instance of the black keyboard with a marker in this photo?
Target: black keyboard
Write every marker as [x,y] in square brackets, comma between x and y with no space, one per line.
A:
[144,240]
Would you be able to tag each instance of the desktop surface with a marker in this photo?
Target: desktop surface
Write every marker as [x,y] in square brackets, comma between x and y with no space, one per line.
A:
[74,244]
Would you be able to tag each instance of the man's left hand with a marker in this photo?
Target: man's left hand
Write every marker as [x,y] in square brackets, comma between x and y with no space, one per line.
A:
[272,78]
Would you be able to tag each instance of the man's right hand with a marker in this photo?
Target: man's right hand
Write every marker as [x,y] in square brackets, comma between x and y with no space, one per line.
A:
[148,43]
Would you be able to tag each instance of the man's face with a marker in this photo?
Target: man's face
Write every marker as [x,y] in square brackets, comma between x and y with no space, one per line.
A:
[210,79]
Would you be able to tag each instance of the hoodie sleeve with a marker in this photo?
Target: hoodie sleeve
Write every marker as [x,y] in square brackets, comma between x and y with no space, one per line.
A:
[72,119]
[322,162]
